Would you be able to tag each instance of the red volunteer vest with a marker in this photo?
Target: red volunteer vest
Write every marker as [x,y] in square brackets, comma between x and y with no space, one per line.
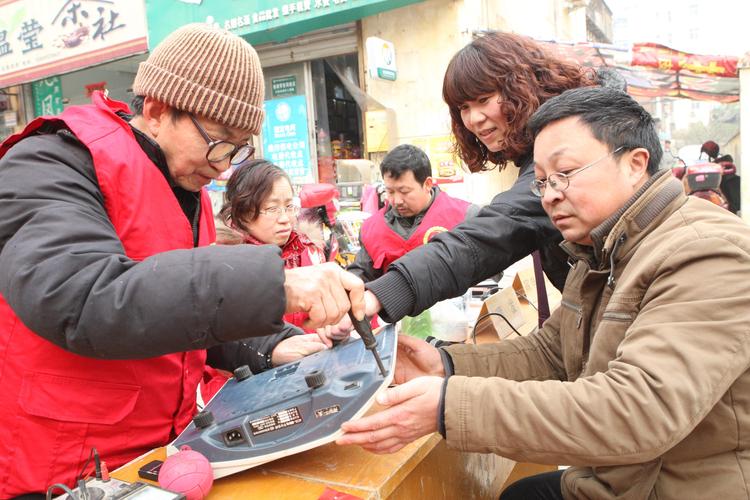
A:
[310,257]
[384,245]
[57,405]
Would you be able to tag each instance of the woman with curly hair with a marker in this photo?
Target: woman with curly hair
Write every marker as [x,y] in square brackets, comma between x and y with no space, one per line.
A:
[492,86]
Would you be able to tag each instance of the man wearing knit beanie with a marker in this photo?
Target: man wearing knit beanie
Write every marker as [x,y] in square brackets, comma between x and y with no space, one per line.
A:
[207,71]
[109,290]
[211,81]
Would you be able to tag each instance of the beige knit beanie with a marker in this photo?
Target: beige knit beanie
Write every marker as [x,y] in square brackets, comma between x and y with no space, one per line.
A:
[207,71]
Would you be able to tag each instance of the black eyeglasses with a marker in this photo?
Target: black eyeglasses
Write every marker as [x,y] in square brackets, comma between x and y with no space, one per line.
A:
[219,151]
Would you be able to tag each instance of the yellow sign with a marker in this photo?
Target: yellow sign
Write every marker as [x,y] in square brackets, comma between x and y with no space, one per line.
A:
[440,151]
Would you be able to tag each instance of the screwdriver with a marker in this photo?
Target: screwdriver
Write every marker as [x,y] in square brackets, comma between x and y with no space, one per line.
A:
[362,326]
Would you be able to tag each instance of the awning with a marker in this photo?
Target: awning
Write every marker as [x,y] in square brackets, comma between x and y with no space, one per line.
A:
[260,21]
[653,70]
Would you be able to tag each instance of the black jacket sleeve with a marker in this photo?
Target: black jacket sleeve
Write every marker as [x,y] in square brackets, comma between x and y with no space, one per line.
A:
[254,352]
[65,274]
[503,232]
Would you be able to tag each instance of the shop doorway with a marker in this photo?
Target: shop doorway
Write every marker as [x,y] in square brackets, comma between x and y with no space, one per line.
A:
[312,119]
[338,115]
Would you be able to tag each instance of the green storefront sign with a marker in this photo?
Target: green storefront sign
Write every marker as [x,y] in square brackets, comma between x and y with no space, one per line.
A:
[285,85]
[47,96]
[260,21]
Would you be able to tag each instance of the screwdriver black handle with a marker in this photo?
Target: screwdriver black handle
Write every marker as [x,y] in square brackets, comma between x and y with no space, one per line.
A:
[362,326]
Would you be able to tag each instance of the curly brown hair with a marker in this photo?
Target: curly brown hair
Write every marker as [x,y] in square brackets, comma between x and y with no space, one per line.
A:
[249,185]
[523,73]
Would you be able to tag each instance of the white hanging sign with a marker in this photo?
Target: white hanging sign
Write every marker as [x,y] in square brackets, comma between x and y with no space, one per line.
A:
[381,58]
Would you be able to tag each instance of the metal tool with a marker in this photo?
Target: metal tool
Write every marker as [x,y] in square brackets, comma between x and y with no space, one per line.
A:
[365,332]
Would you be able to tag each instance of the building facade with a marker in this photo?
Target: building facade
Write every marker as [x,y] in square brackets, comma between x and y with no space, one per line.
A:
[346,80]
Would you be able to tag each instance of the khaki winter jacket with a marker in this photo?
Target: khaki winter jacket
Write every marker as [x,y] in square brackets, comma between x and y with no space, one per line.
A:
[640,379]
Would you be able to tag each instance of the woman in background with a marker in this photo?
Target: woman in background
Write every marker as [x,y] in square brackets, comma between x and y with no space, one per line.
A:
[259,205]
[259,209]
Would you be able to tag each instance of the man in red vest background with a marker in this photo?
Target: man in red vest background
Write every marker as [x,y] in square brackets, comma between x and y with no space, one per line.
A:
[416,211]
[109,290]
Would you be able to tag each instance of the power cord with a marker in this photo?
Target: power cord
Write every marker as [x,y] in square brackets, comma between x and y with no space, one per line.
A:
[60,486]
[436,342]
[524,297]
[100,471]
[93,454]
[487,315]
[83,492]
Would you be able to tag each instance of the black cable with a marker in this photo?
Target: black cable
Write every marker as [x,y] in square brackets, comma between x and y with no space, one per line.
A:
[97,464]
[82,474]
[83,492]
[485,316]
[524,297]
[436,342]
[81,478]
[71,495]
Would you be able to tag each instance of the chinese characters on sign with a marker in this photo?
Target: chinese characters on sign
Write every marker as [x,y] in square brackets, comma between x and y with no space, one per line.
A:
[47,96]
[285,85]
[37,41]
[4,43]
[665,58]
[285,137]
[286,10]
[29,31]
[105,20]
[103,26]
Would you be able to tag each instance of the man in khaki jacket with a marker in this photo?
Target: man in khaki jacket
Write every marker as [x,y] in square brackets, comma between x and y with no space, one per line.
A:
[640,379]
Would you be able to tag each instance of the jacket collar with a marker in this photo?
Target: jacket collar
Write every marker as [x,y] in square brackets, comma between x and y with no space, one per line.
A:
[599,234]
[291,251]
[154,153]
[621,231]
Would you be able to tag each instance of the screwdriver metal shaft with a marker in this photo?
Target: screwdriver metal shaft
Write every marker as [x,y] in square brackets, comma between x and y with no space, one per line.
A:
[365,332]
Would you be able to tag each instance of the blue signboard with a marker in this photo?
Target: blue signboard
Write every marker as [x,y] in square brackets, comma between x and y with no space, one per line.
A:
[286,137]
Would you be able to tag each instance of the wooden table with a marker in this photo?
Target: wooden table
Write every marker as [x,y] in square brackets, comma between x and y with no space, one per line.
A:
[423,469]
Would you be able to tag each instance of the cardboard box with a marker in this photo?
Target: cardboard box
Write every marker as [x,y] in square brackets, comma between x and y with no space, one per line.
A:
[491,324]
[517,305]
[525,286]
